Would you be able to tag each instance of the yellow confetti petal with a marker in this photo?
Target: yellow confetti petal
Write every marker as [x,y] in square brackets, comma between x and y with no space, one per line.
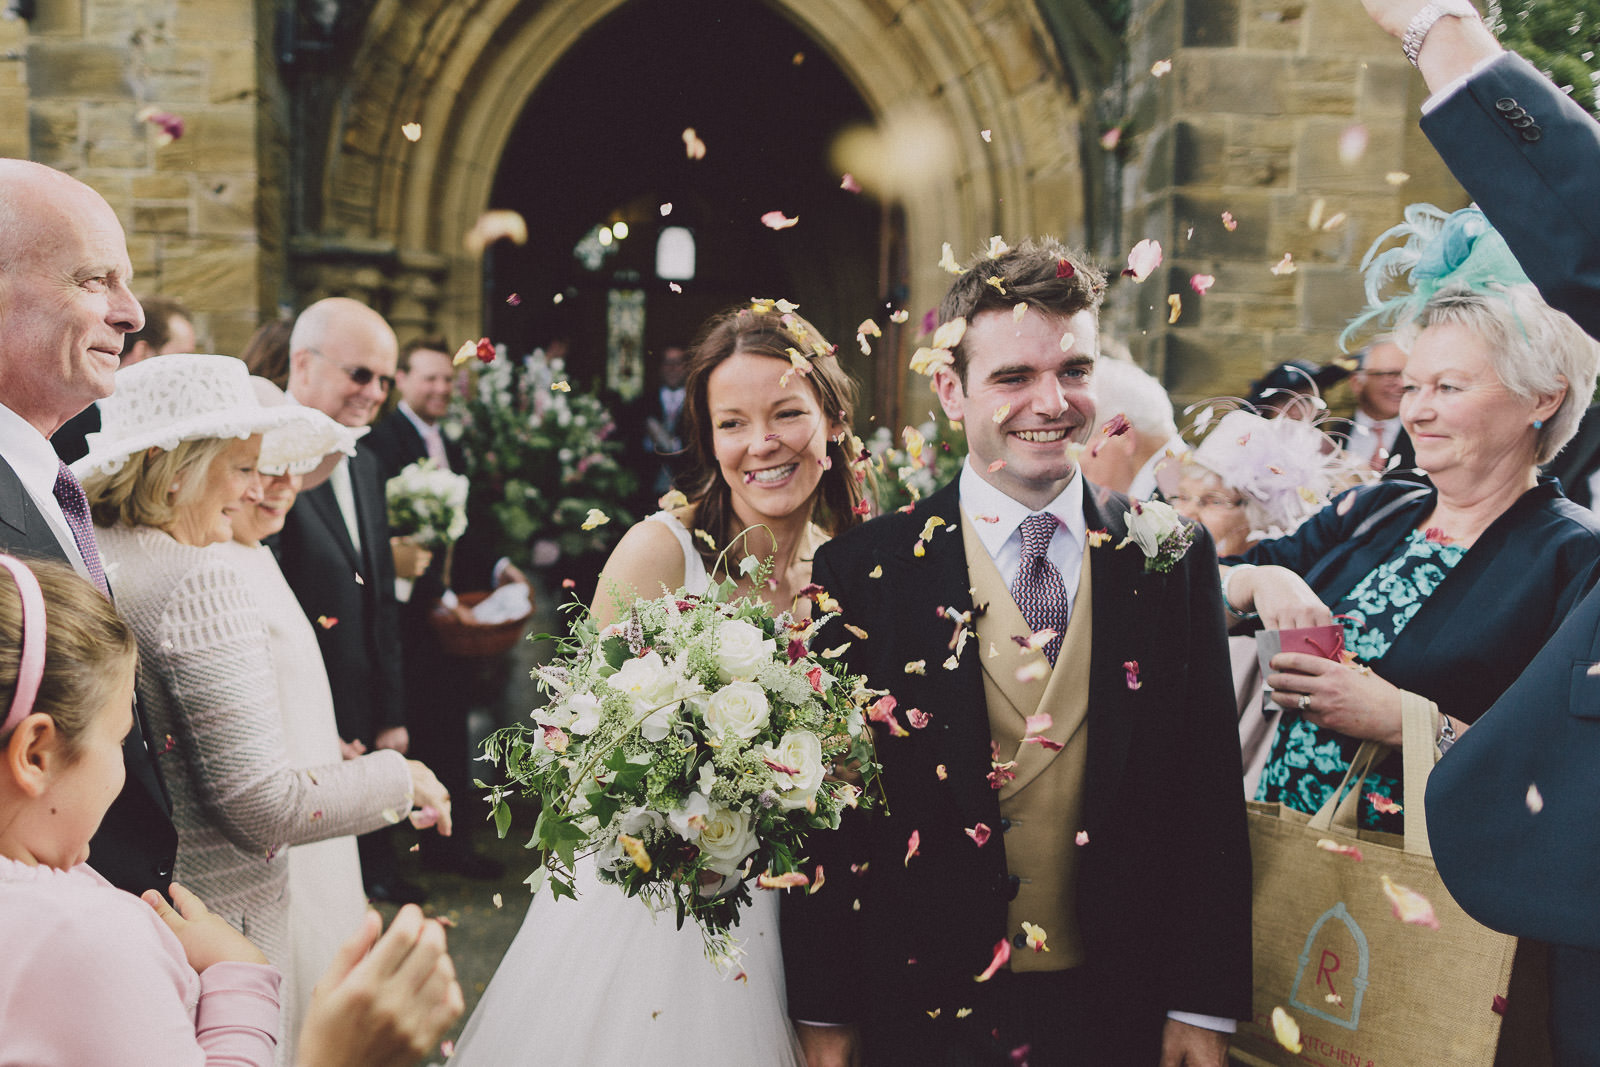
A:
[1036,937]
[672,500]
[928,527]
[1175,302]
[876,572]
[1018,311]
[1286,1030]
[951,663]
[949,334]
[917,666]
[998,282]
[636,852]
[468,351]
[1000,413]
[499,901]
[693,146]
[561,387]
[941,772]
[858,631]
[1397,177]
[962,1013]
[835,653]
[997,247]
[902,314]
[919,549]
[947,261]
[500,224]
[595,518]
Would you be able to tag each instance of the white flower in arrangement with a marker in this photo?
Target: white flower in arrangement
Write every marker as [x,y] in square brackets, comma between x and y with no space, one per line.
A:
[741,650]
[738,709]
[427,504]
[585,708]
[727,839]
[689,819]
[657,687]
[797,769]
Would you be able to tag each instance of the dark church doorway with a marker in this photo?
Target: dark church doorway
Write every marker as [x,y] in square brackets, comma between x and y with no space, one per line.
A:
[600,151]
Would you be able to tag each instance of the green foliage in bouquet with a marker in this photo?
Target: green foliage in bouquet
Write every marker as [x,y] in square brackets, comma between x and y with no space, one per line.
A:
[541,456]
[686,751]
[910,468]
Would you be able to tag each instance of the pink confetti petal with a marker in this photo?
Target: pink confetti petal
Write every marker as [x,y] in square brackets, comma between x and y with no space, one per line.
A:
[1329,845]
[979,834]
[1229,223]
[1132,669]
[1081,839]
[1002,954]
[777,220]
[849,184]
[918,718]
[1202,283]
[1409,906]
[913,845]
[1145,257]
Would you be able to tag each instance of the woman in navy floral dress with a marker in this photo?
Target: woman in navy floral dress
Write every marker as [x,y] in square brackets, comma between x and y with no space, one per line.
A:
[1446,590]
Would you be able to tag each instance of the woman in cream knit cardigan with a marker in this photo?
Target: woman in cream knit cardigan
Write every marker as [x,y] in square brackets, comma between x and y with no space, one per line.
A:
[172,466]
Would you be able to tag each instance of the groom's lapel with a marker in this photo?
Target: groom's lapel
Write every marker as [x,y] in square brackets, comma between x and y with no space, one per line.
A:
[1123,600]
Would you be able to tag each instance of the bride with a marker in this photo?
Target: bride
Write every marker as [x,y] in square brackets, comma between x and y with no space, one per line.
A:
[601,980]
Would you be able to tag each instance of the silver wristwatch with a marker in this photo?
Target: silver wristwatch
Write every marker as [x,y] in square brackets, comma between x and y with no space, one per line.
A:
[1422,22]
[1447,734]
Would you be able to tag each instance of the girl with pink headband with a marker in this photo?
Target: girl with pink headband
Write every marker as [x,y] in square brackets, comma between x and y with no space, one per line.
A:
[92,974]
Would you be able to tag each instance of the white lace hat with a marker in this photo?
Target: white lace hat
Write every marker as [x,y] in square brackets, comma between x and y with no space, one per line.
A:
[167,399]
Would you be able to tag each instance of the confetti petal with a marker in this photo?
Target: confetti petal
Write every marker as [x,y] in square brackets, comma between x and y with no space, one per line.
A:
[169,127]
[595,518]
[777,220]
[1397,177]
[1081,839]
[918,718]
[947,261]
[1286,1030]
[1383,805]
[412,131]
[987,135]
[1160,67]
[1000,413]
[1229,223]
[1037,724]
[997,247]
[791,880]
[999,464]
[1353,144]
[1329,845]
[849,184]
[1535,799]
[1132,669]
[1002,954]
[1409,905]
[498,900]
[1034,671]
[1284,266]
[500,224]
[635,851]
[979,834]
[1143,259]
[693,146]
[327,622]
[941,773]
[1175,306]
[1201,283]
[1036,937]
[913,845]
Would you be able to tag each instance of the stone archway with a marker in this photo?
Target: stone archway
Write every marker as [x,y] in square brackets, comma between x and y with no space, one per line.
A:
[992,86]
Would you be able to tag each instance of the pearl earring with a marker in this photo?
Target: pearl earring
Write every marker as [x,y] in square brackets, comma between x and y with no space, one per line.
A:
[174,488]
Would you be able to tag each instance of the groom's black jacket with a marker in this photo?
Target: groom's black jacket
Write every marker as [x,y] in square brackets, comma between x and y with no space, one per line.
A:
[1163,888]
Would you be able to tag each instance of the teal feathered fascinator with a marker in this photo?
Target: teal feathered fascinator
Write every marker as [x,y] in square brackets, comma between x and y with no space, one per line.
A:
[1437,250]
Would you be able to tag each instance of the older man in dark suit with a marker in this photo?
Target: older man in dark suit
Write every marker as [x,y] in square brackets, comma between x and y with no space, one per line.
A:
[1075,789]
[66,307]
[1513,817]
[335,551]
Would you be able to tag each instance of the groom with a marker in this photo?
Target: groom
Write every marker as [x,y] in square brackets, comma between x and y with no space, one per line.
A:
[1059,871]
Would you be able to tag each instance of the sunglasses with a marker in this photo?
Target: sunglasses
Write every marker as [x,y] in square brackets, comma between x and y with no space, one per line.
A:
[358,375]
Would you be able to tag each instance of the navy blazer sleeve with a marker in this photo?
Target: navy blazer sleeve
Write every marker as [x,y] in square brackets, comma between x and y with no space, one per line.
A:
[1536,182]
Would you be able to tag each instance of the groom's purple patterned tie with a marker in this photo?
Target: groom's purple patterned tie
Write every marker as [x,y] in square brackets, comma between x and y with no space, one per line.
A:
[1039,590]
[75,506]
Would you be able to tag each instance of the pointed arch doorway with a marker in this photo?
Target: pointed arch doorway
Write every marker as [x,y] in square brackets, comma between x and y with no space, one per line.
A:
[634,239]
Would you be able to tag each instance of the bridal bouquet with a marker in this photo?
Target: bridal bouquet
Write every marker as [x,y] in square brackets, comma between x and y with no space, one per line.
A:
[685,750]
[427,504]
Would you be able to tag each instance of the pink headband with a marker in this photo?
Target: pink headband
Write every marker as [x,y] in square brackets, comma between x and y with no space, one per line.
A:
[31,669]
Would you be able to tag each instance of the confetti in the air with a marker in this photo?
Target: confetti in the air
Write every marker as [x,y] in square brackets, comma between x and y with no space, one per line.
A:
[1143,259]
[1081,838]
[501,224]
[1175,306]
[777,220]
[1002,954]
[514,300]
[169,127]
[1111,138]
[1284,266]
[693,146]
[1229,223]
[947,260]
[913,845]
[1397,177]
[595,518]
[1535,799]
[1202,283]
[1409,905]
[1353,144]
[849,184]
[1330,845]
[1160,67]
[987,135]
[412,131]
[1286,1030]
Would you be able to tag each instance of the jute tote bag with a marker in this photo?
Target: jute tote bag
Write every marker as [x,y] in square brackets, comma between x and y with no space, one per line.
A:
[1365,988]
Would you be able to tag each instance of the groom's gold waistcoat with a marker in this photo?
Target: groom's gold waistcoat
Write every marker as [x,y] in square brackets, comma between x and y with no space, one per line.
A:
[1042,804]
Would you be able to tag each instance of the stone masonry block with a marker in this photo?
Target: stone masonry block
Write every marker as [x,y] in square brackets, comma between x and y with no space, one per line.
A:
[1279,25]
[208,275]
[53,134]
[1330,297]
[1211,238]
[220,139]
[1210,23]
[1224,81]
[172,219]
[75,70]
[1339,27]
[215,20]
[1320,169]
[1198,153]
[227,207]
[161,187]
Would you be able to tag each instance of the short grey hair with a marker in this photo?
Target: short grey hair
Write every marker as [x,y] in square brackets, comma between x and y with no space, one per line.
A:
[1123,387]
[1532,348]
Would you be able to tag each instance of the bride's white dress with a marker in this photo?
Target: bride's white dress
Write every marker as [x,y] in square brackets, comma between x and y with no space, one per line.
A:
[602,980]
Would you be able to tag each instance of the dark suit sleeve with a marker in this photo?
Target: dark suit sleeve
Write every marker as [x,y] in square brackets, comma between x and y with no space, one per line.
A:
[1535,181]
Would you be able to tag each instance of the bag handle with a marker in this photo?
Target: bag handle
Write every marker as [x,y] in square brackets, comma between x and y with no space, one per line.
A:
[1418,716]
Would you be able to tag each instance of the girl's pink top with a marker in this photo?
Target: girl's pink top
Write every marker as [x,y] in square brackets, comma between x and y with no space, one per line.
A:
[91,975]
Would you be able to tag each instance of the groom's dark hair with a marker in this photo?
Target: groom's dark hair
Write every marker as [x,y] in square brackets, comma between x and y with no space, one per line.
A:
[1040,272]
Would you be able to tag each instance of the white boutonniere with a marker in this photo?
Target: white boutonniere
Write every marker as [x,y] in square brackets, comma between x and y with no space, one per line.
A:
[1161,534]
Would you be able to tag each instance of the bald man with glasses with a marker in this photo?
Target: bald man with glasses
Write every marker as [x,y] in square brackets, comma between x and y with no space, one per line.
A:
[334,548]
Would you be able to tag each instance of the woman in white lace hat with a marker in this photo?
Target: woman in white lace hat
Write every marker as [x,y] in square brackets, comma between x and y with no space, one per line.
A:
[174,464]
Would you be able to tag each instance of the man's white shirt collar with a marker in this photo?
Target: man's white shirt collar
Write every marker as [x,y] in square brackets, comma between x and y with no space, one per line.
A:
[37,466]
[983,502]
[423,427]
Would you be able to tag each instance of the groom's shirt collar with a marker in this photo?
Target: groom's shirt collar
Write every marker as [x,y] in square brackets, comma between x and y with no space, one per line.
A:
[997,520]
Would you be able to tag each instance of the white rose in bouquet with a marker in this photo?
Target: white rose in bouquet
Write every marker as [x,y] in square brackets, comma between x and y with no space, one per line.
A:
[655,686]
[799,753]
[727,839]
[741,650]
[739,709]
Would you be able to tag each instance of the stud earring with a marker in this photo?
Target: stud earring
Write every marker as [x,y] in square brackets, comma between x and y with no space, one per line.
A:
[174,488]
[1538,424]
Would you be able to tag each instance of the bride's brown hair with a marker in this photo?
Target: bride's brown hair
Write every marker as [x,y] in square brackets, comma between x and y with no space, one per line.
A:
[760,329]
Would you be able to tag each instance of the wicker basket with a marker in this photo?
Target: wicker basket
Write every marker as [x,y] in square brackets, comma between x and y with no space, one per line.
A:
[471,640]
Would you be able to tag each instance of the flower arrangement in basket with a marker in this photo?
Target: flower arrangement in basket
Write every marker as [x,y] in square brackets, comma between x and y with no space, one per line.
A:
[687,743]
[542,455]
